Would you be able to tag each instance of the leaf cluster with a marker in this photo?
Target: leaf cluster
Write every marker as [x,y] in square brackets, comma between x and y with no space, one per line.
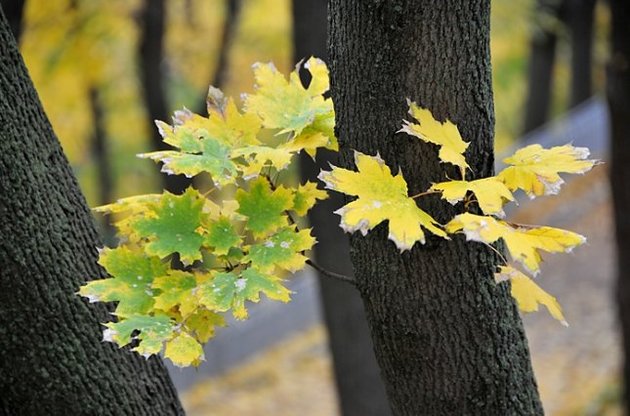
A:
[186,260]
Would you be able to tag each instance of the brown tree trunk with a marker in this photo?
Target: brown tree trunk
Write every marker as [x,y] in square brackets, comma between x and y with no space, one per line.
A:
[151,54]
[357,376]
[449,340]
[53,360]
[618,91]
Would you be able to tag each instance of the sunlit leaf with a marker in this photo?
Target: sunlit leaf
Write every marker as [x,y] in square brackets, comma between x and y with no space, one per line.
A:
[444,134]
[264,208]
[154,331]
[183,350]
[490,193]
[528,294]
[283,249]
[535,169]
[381,197]
[523,243]
[305,197]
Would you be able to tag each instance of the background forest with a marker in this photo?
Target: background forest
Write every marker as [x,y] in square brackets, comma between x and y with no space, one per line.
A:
[91,61]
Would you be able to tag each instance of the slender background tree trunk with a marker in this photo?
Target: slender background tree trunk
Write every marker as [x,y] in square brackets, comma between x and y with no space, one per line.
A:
[541,62]
[151,54]
[448,339]
[357,376]
[618,90]
[53,361]
[580,23]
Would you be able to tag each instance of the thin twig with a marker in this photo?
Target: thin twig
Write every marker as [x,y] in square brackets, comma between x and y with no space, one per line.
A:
[424,194]
[328,273]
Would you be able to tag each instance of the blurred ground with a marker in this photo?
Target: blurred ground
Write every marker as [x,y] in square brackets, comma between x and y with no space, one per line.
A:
[576,367]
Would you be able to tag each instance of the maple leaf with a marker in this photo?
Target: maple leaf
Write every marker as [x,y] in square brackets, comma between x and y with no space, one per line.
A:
[230,291]
[528,294]
[203,323]
[132,275]
[257,157]
[287,105]
[176,289]
[172,227]
[154,331]
[283,249]
[305,197]
[381,197]
[523,243]
[490,193]
[535,169]
[222,236]
[183,350]
[446,135]
[264,208]
[214,157]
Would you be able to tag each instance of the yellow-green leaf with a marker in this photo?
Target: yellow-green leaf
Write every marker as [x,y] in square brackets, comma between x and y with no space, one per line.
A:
[528,294]
[523,243]
[381,197]
[535,169]
[283,250]
[490,193]
[183,350]
[305,197]
[444,134]
[264,208]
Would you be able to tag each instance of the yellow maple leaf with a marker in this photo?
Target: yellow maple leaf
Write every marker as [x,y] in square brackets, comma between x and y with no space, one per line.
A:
[522,242]
[490,193]
[535,169]
[446,135]
[381,197]
[183,350]
[528,294]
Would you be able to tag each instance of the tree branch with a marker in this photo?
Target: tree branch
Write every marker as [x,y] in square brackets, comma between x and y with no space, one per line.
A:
[328,273]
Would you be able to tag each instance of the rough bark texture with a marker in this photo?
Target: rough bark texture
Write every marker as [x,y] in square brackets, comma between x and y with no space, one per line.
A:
[541,61]
[152,78]
[53,361]
[618,89]
[14,12]
[357,375]
[580,22]
[449,341]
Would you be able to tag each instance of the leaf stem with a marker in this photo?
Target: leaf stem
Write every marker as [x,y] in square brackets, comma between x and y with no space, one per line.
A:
[424,194]
[328,273]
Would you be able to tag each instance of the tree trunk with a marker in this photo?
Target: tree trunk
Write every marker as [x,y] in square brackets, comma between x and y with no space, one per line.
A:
[618,91]
[14,12]
[449,340]
[152,78]
[580,22]
[53,361]
[541,61]
[357,377]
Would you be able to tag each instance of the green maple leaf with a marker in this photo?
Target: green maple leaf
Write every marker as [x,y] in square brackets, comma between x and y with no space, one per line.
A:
[283,249]
[222,236]
[176,289]
[213,157]
[264,208]
[230,291]
[133,274]
[171,226]
[154,331]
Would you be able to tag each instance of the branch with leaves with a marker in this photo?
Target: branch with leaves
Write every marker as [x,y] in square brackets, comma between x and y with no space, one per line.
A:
[186,260]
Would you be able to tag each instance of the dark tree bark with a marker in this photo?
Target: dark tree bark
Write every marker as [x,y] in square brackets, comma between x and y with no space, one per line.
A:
[580,22]
[152,78]
[100,152]
[449,340]
[14,12]
[618,91]
[53,361]
[357,376]
[541,61]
